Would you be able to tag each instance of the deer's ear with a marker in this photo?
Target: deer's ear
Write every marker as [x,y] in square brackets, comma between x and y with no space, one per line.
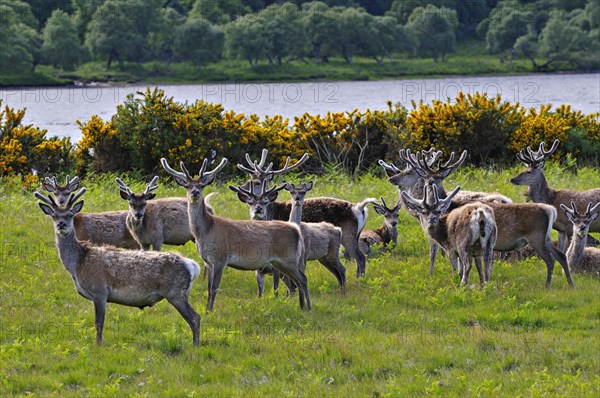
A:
[390,173]
[207,180]
[309,185]
[243,197]
[379,209]
[46,209]
[124,195]
[181,181]
[594,216]
[49,188]
[150,196]
[414,207]
[77,207]
[539,165]
[272,197]
[74,185]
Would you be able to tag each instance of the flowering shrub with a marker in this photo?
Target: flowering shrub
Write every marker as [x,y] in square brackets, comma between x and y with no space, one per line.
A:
[25,150]
[477,123]
[150,125]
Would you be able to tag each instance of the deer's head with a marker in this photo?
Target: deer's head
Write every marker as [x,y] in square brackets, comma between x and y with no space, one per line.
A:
[137,202]
[61,215]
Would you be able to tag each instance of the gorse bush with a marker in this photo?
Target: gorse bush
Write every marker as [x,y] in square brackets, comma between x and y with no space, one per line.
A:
[481,125]
[25,149]
[150,125]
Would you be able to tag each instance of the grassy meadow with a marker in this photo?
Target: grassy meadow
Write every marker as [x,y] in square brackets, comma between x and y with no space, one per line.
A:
[467,61]
[397,332]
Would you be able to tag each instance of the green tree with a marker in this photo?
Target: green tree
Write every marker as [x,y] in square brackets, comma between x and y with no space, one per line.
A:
[19,40]
[352,31]
[505,24]
[384,37]
[119,29]
[83,10]
[319,26]
[218,11]
[434,29]
[162,39]
[42,9]
[61,46]
[197,40]
[246,39]
[561,40]
[283,30]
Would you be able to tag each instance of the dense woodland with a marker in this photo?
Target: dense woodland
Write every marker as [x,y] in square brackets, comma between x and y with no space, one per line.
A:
[68,33]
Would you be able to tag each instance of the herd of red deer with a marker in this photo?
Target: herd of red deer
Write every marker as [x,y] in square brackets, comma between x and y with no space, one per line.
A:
[108,254]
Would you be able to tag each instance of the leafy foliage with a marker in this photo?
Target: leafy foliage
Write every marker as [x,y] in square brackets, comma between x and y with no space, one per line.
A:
[24,149]
[19,42]
[434,29]
[61,46]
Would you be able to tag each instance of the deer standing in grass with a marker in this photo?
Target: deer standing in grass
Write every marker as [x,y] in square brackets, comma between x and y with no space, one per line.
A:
[157,222]
[131,278]
[466,233]
[350,217]
[540,192]
[104,228]
[384,235]
[259,199]
[420,173]
[517,223]
[579,257]
[322,240]
[244,245]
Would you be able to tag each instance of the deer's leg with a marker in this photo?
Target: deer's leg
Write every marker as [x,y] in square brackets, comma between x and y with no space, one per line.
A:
[335,269]
[156,246]
[480,271]
[488,259]
[562,259]
[544,252]
[276,278]
[214,286]
[433,248]
[350,243]
[182,305]
[465,263]
[260,281]
[99,312]
[456,263]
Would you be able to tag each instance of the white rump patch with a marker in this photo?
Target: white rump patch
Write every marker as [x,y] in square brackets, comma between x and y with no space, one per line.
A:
[193,268]
[360,211]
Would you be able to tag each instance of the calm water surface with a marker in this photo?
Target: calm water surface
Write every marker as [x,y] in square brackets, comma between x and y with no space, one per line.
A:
[57,109]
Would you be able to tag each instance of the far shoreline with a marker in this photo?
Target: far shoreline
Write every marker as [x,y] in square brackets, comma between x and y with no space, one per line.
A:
[148,83]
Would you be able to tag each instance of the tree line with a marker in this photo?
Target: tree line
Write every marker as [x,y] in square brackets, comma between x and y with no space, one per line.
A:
[67,33]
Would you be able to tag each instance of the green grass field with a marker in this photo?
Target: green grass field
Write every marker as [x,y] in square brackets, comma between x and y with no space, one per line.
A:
[462,63]
[397,332]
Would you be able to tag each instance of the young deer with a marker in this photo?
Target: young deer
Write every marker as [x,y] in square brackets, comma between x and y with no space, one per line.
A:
[131,278]
[264,196]
[540,192]
[322,240]
[579,257]
[105,228]
[466,232]
[348,216]
[387,233]
[244,245]
[157,222]
[61,192]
